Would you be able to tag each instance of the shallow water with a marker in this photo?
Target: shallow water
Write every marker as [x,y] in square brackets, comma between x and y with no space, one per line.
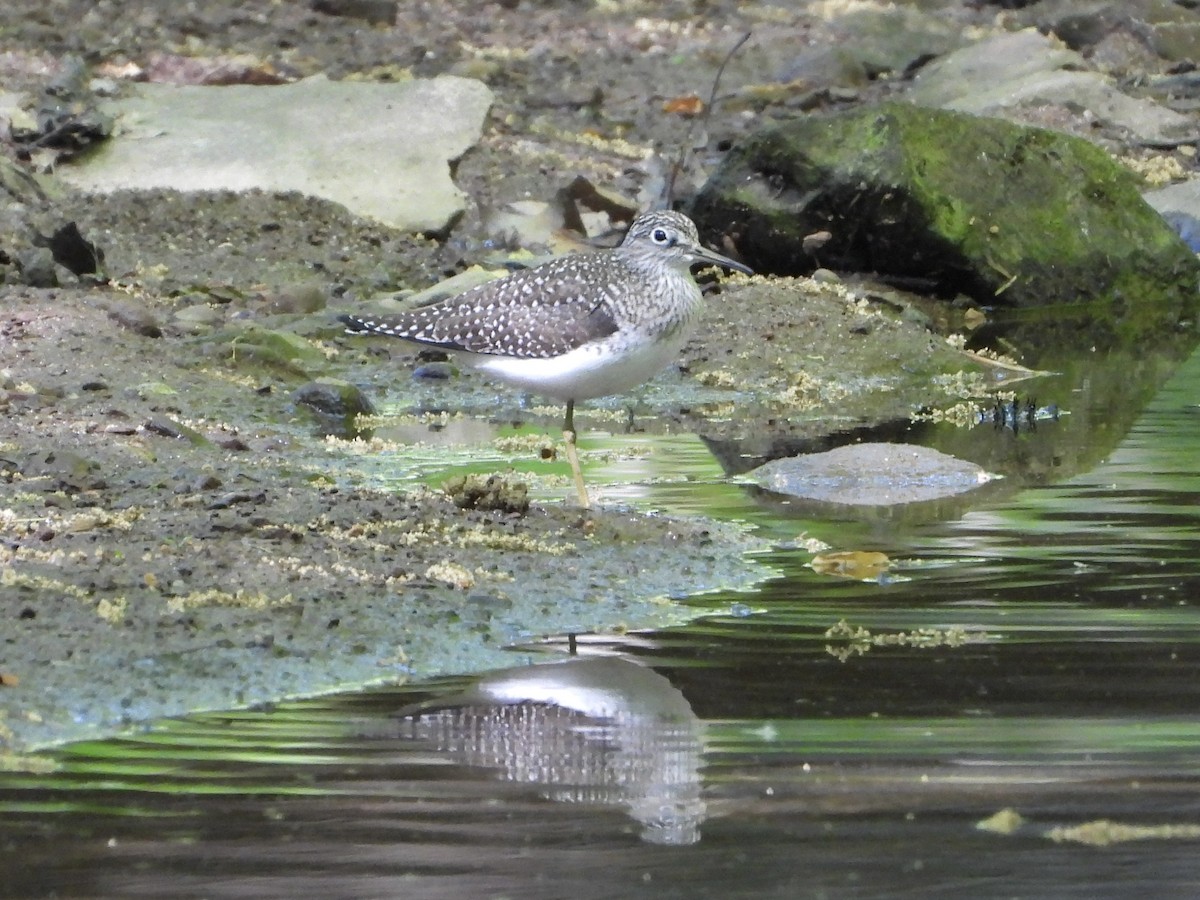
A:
[749,753]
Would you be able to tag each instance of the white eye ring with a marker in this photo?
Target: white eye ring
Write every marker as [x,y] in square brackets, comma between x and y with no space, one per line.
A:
[660,236]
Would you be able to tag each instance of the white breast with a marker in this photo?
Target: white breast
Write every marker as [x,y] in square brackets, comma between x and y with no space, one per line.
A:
[595,370]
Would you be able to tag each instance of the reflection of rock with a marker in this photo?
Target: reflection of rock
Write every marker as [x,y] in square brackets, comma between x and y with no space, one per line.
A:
[597,730]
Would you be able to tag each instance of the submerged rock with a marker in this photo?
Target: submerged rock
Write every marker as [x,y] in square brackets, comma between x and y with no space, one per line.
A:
[872,475]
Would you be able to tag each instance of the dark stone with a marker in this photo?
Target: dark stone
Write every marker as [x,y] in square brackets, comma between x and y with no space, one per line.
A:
[73,251]
[169,428]
[334,398]
[433,371]
[377,12]
[135,317]
[63,470]
[233,498]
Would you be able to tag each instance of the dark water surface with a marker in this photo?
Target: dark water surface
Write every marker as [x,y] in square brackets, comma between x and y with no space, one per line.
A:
[749,754]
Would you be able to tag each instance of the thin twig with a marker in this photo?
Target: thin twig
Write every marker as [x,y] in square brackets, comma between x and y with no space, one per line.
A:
[703,121]
[712,98]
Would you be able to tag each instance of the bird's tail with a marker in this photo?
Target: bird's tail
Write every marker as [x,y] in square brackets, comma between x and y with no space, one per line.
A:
[359,325]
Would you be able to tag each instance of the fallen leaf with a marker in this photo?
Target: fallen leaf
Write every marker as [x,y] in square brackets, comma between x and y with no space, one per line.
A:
[689,105]
[172,68]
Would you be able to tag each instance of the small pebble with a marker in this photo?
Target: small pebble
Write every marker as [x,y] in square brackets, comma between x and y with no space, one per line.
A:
[136,318]
[434,371]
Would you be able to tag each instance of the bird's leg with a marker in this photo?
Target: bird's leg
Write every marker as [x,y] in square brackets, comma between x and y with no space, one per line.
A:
[573,456]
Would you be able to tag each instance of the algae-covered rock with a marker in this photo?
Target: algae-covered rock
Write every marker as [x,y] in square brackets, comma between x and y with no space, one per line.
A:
[490,492]
[1002,213]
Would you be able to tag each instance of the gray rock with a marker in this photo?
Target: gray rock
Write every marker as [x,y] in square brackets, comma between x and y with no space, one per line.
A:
[1127,33]
[63,467]
[199,317]
[1181,197]
[37,268]
[1179,204]
[960,79]
[296,298]
[1082,24]
[381,150]
[888,38]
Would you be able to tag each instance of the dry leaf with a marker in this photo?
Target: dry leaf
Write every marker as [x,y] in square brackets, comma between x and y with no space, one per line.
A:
[172,68]
[689,105]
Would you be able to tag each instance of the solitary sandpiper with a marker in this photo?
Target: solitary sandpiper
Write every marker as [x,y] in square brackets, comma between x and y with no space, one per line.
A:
[580,326]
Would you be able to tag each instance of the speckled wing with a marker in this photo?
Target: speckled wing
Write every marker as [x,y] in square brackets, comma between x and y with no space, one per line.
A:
[532,314]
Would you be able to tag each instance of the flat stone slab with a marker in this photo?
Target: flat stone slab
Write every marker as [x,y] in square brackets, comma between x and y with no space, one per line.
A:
[381,150]
[871,475]
[1027,68]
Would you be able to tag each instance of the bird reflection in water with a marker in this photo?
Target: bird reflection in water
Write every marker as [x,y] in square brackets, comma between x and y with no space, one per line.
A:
[598,730]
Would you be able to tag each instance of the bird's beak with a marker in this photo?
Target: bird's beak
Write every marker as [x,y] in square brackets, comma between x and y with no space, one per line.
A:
[712,258]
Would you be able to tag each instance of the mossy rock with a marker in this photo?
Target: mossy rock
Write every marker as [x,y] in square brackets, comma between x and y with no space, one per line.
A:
[280,350]
[957,204]
[334,398]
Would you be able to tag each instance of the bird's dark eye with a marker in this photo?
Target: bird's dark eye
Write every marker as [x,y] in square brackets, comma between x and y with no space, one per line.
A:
[660,236]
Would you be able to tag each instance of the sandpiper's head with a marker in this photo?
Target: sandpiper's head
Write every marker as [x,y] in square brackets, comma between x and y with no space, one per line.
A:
[670,238]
